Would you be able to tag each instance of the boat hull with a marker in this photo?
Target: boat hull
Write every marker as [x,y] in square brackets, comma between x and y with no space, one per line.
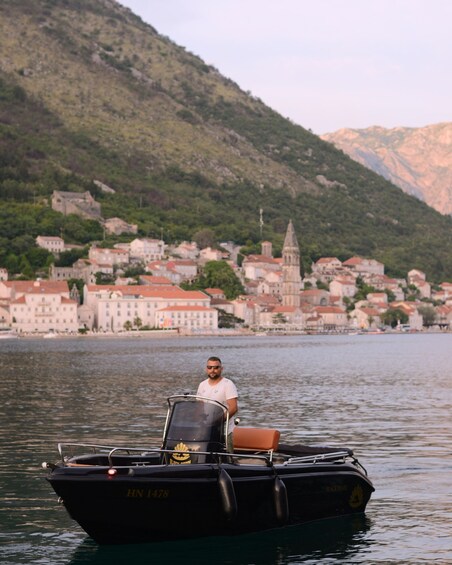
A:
[164,502]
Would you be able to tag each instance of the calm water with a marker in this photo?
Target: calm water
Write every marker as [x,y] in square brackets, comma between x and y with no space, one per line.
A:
[388,397]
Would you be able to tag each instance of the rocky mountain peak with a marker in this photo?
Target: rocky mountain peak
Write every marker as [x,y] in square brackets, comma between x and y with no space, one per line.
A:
[418,160]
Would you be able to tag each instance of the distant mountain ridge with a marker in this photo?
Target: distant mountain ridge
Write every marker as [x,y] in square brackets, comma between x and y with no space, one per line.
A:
[418,160]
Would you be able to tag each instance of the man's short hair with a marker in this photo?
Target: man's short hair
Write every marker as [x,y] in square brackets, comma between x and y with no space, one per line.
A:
[214,359]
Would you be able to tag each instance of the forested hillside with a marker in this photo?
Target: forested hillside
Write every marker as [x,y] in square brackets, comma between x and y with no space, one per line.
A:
[90,92]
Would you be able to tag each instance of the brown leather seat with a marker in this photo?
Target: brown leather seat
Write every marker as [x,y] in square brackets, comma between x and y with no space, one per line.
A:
[255,439]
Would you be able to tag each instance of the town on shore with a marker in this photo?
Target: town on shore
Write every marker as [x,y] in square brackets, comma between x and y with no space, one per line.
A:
[335,297]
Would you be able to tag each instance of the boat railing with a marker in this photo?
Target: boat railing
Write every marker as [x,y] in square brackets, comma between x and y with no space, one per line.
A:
[110,451]
[96,449]
[318,457]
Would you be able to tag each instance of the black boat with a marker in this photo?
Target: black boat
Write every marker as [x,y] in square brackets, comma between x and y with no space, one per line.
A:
[192,486]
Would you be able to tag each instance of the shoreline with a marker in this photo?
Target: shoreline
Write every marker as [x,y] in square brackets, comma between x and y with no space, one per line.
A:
[159,334]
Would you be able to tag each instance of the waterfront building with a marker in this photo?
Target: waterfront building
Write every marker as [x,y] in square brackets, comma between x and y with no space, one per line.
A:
[415,321]
[334,318]
[115,307]
[187,318]
[41,307]
[366,318]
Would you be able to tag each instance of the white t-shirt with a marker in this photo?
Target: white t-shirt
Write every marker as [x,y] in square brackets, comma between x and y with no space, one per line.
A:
[221,392]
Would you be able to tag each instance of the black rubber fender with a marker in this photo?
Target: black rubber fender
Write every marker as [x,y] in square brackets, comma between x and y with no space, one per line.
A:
[227,494]
[280,501]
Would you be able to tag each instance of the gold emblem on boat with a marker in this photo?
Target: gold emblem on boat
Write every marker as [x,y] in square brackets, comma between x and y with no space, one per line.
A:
[357,497]
[180,455]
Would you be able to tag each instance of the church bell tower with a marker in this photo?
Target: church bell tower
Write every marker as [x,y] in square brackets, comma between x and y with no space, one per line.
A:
[291,285]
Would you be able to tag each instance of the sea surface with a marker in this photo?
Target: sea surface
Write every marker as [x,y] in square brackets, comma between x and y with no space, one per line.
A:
[388,397]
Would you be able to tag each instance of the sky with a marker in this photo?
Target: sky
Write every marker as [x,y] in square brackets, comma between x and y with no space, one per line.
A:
[325,64]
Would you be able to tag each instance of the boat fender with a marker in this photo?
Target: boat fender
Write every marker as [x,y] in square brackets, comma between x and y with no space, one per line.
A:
[280,501]
[227,494]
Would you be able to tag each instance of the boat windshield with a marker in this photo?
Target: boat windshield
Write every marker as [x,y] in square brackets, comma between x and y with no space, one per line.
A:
[195,420]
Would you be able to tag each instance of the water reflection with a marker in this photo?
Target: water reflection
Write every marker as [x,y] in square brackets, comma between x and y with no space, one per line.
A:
[339,539]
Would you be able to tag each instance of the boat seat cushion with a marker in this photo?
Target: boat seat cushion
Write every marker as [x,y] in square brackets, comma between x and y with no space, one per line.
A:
[256,439]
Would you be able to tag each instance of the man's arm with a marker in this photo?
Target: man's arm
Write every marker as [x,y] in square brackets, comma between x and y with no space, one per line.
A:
[232,406]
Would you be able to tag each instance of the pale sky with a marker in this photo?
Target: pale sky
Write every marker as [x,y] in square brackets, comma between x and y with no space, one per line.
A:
[325,64]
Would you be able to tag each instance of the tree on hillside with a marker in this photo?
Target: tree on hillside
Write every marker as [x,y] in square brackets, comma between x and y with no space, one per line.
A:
[363,289]
[218,274]
[69,257]
[204,238]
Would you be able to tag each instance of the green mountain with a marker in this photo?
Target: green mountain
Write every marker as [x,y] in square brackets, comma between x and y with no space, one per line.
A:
[88,92]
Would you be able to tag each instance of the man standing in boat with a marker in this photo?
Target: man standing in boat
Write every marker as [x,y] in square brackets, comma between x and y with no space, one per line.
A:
[216,387]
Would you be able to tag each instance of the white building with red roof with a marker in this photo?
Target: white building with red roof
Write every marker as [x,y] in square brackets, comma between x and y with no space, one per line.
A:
[377,298]
[315,296]
[155,280]
[246,309]
[444,316]
[186,250]
[415,320]
[343,287]
[334,318]
[362,266]
[39,306]
[177,270]
[325,270]
[417,279]
[145,249]
[366,318]
[280,314]
[255,267]
[215,292]
[115,307]
[187,318]
[444,293]
[54,244]
[383,282]
[210,254]
[271,283]
[108,257]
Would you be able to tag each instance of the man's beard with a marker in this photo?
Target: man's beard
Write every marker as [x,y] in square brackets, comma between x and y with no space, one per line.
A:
[215,376]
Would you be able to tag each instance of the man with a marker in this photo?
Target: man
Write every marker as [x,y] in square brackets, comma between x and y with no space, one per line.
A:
[217,387]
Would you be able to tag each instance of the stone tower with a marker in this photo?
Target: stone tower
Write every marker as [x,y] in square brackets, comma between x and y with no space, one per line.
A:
[291,285]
